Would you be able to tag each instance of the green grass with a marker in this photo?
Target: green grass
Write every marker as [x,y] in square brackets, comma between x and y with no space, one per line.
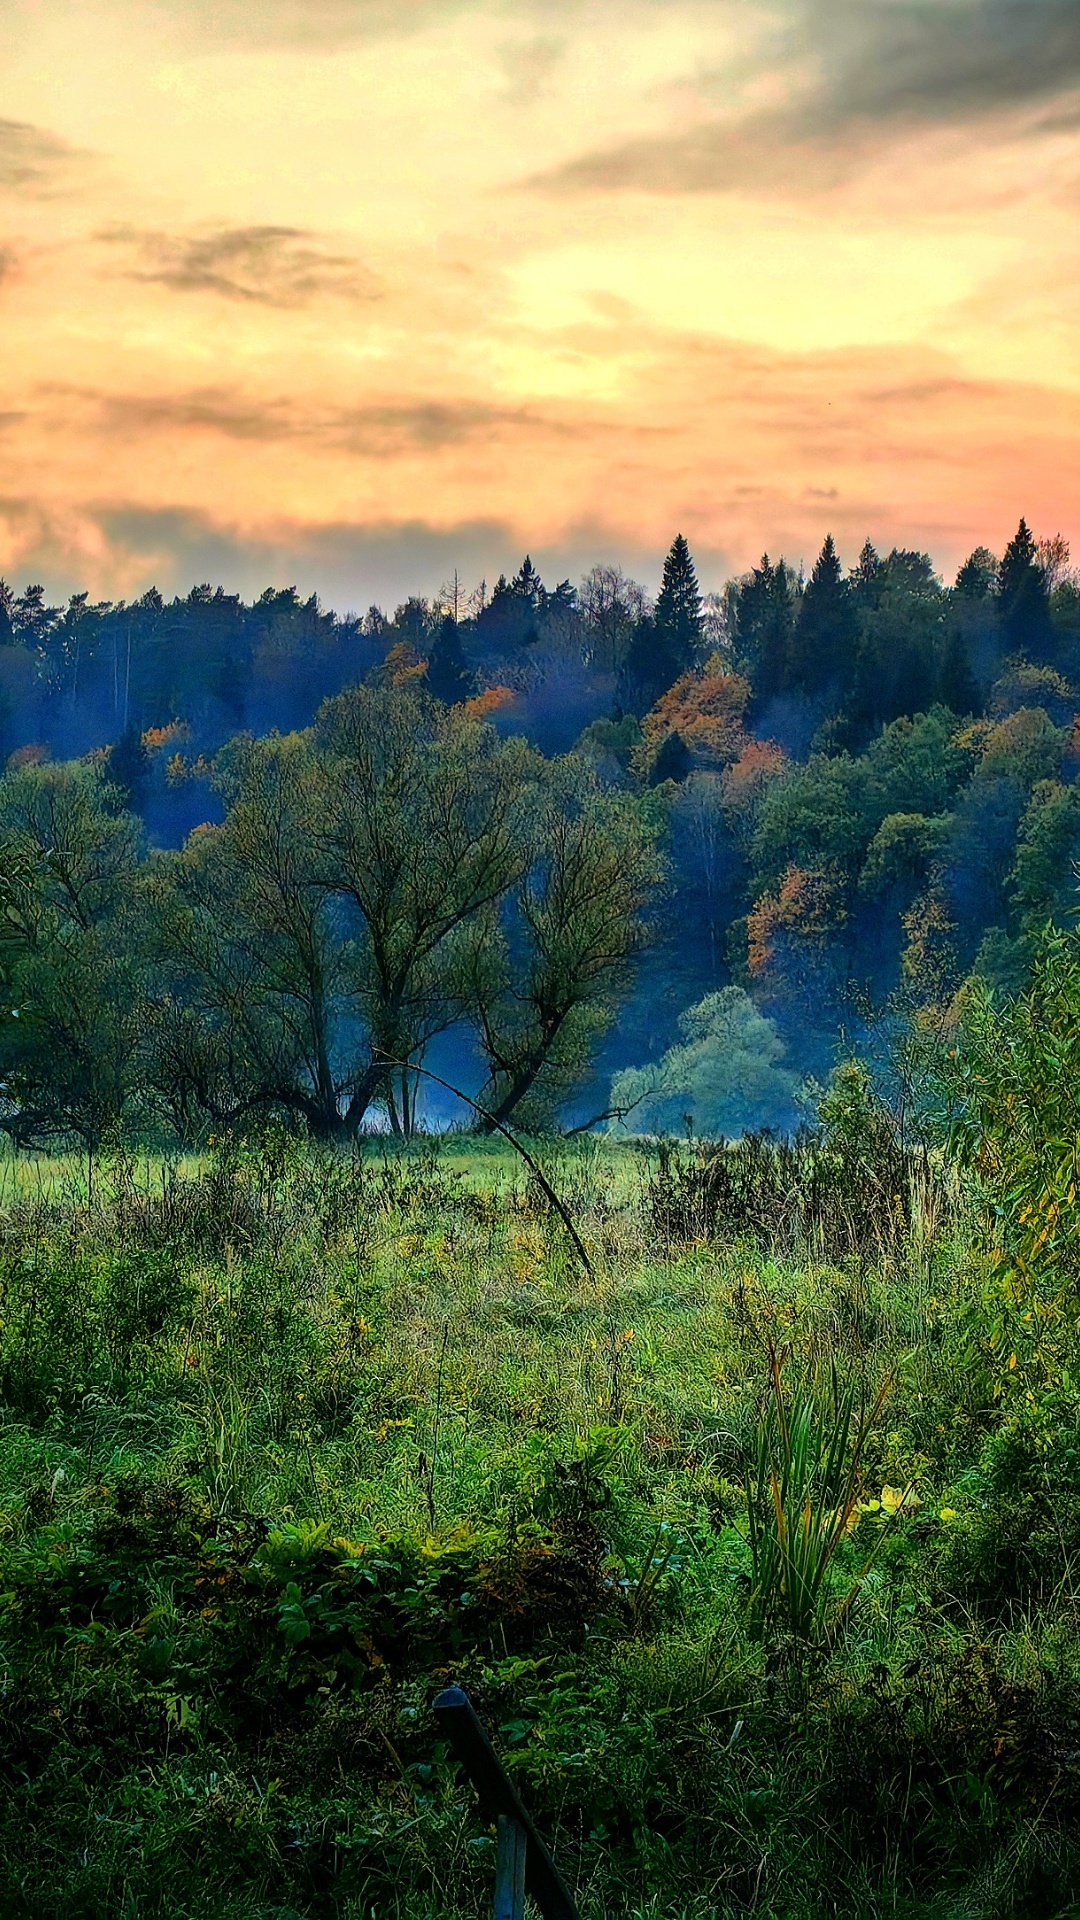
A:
[290,1441]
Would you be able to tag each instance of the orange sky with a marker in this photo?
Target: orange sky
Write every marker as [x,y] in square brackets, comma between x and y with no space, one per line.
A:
[349,292]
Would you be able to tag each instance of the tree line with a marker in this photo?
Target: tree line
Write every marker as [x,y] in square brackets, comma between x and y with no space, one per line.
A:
[821,791]
[830,657]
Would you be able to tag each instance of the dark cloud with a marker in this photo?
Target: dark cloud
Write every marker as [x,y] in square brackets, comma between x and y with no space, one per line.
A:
[211,408]
[32,160]
[348,565]
[430,424]
[384,430]
[918,61]
[268,266]
[881,69]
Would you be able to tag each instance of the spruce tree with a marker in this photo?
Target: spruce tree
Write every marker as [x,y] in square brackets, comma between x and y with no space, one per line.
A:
[664,646]
[673,762]
[678,611]
[127,766]
[528,585]
[866,581]
[1017,561]
[764,620]
[824,645]
[1022,597]
[511,620]
[978,575]
[448,677]
[956,686]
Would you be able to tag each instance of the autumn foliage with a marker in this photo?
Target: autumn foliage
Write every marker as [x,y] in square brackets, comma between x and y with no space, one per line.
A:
[707,711]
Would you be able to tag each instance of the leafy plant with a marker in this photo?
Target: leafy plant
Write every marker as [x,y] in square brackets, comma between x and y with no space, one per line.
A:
[1012,1083]
[802,1496]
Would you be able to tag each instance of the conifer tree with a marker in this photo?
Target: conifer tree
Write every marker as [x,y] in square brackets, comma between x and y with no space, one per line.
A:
[664,646]
[448,677]
[673,762]
[678,611]
[1022,597]
[956,687]
[528,585]
[764,620]
[823,647]
[511,619]
[978,575]
[866,578]
[128,766]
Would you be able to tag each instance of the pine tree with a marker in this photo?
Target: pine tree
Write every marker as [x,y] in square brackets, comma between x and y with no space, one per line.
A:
[128,766]
[1022,597]
[824,643]
[956,686]
[678,611]
[673,762]
[978,575]
[867,577]
[511,619]
[764,621]
[448,677]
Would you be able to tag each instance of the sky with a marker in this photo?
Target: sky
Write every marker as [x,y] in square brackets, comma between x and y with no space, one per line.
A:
[349,293]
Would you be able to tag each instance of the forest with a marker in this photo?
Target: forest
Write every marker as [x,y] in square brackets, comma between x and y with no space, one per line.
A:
[592,859]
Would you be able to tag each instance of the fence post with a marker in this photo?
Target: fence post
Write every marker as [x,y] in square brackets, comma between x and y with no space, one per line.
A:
[500,1800]
[510,1870]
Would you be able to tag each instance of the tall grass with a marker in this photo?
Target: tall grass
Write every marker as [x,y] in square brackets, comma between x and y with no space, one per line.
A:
[289,1439]
[802,1496]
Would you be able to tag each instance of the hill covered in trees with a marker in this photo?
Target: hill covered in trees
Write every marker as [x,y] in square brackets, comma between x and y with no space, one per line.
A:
[255,854]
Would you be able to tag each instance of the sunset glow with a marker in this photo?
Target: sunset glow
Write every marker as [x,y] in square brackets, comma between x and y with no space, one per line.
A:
[352,294]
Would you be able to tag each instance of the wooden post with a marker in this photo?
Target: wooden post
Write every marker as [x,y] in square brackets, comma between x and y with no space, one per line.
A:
[510,1870]
[499,1796]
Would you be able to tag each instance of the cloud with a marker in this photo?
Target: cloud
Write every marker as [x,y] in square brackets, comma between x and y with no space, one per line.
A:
[349,564]
[308,25]
[380,430]
[926,61]
[266,265]
[430,424]
[859,74]
[531,65]
[210,408]
[32,160]
[741,447]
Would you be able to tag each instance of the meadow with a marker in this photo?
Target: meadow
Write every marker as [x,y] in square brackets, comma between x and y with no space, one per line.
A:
[293,1438]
